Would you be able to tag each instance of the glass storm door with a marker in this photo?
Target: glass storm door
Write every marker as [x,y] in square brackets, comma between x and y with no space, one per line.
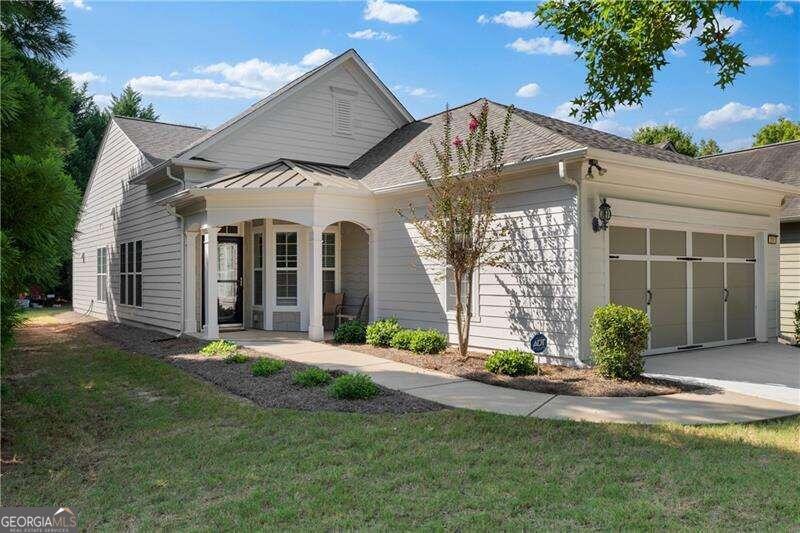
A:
[229,280]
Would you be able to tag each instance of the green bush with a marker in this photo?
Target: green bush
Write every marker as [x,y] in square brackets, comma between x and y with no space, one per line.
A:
[402,339]
[619,336]
[236,357]
[218,347]
[312,377]
[428,341]
[512,363]
[380,332]
[797,323]
[353,332]
[267,366]
[353,387]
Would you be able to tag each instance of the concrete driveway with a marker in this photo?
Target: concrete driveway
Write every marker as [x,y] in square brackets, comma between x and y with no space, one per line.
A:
[765,370]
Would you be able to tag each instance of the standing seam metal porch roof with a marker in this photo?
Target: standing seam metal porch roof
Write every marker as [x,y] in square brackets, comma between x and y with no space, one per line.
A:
[285,173]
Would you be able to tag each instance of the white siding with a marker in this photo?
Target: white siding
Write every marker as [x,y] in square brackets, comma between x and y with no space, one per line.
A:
[114,212]
[790,287]
[301,127]
[535,291]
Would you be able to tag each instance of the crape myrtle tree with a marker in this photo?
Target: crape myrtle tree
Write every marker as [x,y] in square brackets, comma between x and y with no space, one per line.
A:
[458,226]
[624,42]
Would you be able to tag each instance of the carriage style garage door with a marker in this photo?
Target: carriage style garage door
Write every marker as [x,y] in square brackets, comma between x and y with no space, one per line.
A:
[697,288]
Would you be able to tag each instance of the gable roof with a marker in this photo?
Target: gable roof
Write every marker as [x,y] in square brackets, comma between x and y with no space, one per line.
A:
[350,54]
[775,162]
[158,141]
[531,135]
[285,174]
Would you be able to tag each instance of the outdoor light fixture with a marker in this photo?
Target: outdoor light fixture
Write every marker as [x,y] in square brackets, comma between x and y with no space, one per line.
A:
[603,216]
[594,164]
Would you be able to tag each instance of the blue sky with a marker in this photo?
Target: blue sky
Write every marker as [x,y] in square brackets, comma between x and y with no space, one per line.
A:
[200,62]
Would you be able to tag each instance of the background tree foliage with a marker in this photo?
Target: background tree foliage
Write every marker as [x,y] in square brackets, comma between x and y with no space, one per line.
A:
[624,42]
[779,131]
[708,147]
[682,140]
[129,104]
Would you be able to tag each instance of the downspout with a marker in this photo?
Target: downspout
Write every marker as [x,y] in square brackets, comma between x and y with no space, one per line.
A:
[174,212]
[562,173]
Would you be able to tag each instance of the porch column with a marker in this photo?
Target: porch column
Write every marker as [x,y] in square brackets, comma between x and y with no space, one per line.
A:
[316,331]
[190,282]
[212,323]
[373,274]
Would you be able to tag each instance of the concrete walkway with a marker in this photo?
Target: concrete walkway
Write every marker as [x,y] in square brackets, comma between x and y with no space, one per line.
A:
[684,408]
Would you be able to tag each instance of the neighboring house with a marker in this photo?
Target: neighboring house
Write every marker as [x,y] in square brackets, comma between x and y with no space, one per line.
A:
[777,162]
[298,196]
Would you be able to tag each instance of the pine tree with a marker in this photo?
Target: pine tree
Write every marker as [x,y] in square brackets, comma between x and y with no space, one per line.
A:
[129,104]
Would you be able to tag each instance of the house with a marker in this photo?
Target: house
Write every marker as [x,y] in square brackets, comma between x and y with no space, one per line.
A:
[297,196]
[778,162]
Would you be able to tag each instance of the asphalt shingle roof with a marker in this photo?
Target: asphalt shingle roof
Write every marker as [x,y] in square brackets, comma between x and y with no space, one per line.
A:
[775,162]
[158,141]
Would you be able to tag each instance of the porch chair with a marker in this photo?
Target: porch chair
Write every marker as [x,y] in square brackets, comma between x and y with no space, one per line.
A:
[331,303]
[342,317]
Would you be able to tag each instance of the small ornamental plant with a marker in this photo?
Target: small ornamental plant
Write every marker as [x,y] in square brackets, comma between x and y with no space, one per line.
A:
[797,323]
[353,332]
[312,377]
[218,347]
[380,332]
[267,367]
[236,357]
[511,363]
[428,341]
[353,387]
[619,336]
[402,339]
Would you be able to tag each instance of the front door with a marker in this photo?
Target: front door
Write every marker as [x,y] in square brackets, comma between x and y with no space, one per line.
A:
[229,280]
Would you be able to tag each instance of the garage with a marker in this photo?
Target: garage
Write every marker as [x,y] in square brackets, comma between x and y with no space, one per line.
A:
[697,287]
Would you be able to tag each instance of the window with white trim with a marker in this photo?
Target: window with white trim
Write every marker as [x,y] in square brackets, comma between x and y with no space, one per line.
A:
[102,274]
[130,273]
[286,268]
[328,262]
[258,268]
[450,291]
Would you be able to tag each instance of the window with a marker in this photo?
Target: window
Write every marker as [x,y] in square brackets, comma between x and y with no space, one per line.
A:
[130,273]
[450,291]
[258,268]
[286,268]
[328,262]
[102,274]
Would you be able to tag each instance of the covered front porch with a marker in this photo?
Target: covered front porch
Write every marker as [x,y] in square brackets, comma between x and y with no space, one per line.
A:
[261,257]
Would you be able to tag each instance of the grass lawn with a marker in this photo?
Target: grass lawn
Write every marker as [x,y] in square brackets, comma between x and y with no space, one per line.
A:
[131,442]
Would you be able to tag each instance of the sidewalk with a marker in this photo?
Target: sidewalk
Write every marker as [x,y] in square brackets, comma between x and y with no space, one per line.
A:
[683,408]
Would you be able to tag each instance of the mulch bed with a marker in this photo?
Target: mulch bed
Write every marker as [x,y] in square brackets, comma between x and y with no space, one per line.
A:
[553,379]
[275,391]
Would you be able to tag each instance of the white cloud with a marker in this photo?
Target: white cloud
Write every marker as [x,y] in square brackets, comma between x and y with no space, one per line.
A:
[736,144]
[780,8]
[193,88]
[174,74]
[390,12]
[561,112]
[419,92]
[541,45]
[369,35]
[79,78]
[735,112]
[760,61]
[611,126]
[512,19]
[678,52]
[78,4]
[255,73]
[102,100]
[316,57]
[723,20]
[528,90]
[729,22]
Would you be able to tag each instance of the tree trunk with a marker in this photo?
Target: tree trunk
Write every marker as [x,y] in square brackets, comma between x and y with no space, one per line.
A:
[463,312]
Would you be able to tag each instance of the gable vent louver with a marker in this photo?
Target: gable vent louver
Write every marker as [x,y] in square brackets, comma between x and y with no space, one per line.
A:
[342,115]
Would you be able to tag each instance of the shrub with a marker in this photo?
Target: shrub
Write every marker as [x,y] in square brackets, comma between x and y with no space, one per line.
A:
[353,332]
[619,336]
[402,339]
[312,377]
[236,357]
[428,341]
[797,323]
[353,387]
[267,366]
[218,347]
[380,332]
[511,363]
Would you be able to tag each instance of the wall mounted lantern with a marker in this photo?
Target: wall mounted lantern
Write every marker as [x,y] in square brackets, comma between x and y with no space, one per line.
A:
[600,222]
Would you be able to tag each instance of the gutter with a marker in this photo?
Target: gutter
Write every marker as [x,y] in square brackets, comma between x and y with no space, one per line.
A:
[174,212]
